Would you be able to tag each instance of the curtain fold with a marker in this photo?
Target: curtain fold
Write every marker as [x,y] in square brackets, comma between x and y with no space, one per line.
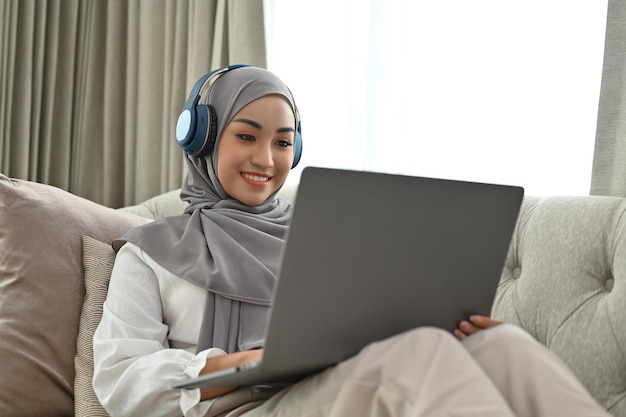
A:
[91,90]
[609,160]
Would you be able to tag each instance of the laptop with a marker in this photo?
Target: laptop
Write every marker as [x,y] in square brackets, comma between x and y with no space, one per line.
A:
[370,255]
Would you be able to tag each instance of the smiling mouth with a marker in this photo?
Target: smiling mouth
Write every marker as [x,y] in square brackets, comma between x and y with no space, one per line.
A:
[256,178]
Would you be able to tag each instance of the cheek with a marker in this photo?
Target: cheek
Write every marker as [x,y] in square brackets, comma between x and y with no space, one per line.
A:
[224,164]
[284,161]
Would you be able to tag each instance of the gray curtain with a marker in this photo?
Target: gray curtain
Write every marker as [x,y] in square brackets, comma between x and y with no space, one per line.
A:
[90,90]
[609,161]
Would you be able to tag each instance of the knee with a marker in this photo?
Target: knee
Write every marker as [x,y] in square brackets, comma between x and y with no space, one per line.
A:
[508,334]
[410,342]
[504,338]
[424,336]
[428,333]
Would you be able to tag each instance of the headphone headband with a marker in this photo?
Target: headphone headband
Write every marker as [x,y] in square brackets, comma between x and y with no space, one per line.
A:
[210,78]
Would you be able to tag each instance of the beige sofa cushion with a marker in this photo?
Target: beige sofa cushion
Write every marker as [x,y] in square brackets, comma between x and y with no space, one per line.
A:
[41,291]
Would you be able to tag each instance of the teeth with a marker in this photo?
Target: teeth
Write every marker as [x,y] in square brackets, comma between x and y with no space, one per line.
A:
[255,178]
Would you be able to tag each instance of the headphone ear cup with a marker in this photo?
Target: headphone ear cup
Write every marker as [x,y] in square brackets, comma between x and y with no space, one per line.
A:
[297,150]
[207,129]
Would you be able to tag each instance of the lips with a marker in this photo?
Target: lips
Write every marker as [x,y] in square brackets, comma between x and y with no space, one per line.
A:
[256,179]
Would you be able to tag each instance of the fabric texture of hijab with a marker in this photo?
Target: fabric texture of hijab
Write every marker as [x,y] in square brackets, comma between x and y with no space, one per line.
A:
[230,249]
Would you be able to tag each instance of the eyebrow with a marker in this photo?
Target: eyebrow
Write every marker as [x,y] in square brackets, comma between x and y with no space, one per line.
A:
[258,126]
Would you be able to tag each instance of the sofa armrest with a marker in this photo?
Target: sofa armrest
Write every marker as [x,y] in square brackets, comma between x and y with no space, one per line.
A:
[563,282]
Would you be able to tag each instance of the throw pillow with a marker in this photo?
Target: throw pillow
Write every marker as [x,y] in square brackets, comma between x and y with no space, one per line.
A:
[42,289]
[98,259]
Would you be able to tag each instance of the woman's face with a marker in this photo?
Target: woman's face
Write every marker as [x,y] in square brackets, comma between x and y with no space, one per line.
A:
[256,150]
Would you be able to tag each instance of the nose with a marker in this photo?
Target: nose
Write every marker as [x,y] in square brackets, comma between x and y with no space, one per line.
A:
[262,155]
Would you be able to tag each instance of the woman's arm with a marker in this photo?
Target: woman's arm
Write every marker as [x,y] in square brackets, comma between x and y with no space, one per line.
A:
[145,342]
[224,362]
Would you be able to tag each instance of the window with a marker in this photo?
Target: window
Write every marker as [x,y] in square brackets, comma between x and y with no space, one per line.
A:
[492,91]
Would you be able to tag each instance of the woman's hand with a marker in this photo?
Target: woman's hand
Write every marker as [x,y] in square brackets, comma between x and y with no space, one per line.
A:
[217,363]
[474,324]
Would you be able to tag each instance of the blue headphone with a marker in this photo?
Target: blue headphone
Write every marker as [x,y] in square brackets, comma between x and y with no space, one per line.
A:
[196,129]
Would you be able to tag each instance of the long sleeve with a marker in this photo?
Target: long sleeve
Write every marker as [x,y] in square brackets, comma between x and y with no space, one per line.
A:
[146,340]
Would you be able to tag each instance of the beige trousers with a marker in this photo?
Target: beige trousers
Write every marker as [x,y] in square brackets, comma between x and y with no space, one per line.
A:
[427,372]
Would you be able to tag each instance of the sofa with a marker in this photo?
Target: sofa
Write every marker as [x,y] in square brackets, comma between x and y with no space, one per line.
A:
[564,281]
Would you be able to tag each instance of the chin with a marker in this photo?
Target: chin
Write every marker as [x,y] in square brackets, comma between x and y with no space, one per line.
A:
[253,201]
[254,196]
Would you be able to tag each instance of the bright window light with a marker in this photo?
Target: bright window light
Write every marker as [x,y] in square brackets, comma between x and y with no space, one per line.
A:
[490,91]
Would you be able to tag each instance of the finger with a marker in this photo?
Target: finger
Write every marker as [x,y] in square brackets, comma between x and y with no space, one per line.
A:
[459,334]
[468,328]
[483,322]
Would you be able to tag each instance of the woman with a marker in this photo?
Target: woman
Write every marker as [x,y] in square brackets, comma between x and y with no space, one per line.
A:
[190,294]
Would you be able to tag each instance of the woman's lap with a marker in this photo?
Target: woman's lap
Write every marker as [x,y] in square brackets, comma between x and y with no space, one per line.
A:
[500,371]
[418,373]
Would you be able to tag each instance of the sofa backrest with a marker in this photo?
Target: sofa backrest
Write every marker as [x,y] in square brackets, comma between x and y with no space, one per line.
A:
[170,204]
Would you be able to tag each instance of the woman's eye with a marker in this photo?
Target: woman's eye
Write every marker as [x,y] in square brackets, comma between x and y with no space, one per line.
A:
[246,137]
[283,143]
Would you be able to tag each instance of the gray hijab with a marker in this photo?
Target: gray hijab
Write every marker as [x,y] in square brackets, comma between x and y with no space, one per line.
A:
[230,249]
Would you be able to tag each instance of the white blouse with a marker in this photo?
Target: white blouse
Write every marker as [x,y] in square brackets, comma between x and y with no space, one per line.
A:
[146,340]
